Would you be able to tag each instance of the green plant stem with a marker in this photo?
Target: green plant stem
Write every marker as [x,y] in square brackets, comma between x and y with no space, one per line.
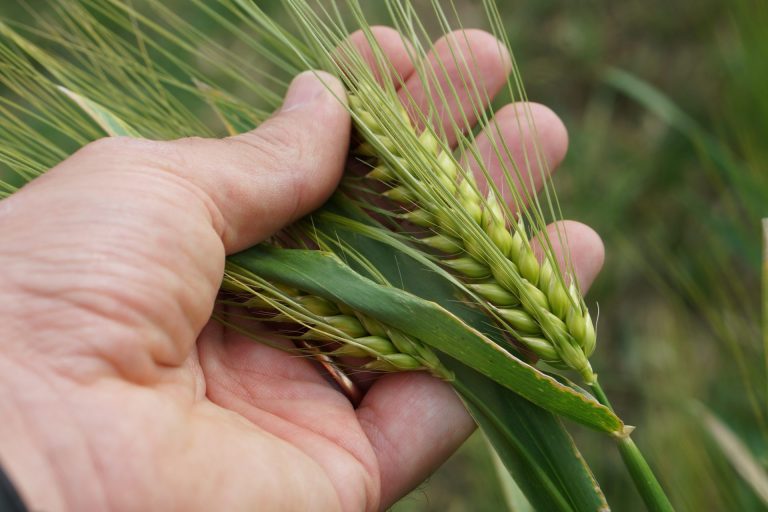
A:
[645,481]
[765,295]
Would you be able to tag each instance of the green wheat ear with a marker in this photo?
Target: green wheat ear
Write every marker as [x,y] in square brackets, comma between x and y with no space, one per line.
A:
[350,333]
[477,241]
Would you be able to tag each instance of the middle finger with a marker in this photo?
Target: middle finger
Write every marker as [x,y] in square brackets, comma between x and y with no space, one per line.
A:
[460,75]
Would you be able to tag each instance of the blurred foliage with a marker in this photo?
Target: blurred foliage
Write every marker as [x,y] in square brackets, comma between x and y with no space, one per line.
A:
[678,206]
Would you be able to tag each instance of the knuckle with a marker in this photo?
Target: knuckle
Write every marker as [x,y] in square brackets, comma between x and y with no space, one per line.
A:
[192,142]
[118,147]
[276,146]
[183,156]
[103,146]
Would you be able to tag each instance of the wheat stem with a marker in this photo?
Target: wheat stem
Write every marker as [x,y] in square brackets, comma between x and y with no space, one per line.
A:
[642,475]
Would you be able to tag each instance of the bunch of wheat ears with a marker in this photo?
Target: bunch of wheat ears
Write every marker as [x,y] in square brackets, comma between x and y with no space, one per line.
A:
[430,256]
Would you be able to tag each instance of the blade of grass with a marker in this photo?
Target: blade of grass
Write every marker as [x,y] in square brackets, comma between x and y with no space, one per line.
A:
[765,295]
[513,495]
[737,454]
[109,122]
[325,275]
[533,446]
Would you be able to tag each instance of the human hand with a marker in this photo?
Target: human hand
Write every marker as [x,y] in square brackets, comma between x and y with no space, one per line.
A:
[118,392]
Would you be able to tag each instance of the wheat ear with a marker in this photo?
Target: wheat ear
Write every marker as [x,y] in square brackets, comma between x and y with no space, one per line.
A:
[528,297]
[345,331]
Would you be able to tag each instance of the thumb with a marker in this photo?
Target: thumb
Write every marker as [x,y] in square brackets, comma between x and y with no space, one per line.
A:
[285,168]
[262,180]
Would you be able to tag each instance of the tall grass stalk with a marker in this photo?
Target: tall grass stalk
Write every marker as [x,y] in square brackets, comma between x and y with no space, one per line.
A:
[765,298]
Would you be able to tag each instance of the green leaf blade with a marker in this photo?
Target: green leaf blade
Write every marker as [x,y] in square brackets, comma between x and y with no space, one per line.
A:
[325,275]
[107,121]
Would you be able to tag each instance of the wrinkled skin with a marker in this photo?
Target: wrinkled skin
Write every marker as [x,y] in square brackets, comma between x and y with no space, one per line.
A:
[116,390]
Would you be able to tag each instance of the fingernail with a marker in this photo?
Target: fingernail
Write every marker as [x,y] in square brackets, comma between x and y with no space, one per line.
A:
[304,90]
